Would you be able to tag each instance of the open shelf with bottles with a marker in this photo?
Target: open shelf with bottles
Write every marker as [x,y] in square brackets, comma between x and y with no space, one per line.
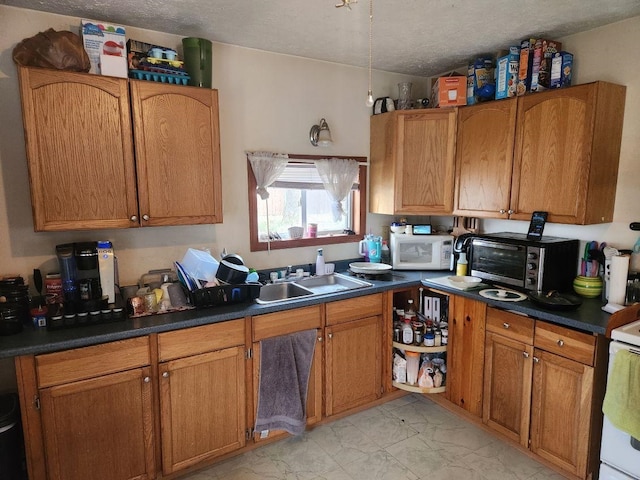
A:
[418,367]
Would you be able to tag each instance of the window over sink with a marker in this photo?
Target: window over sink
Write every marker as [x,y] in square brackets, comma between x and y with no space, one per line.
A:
[294,199]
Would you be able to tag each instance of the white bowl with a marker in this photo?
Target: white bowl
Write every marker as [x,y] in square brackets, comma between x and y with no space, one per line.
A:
[397,228]
[464,280]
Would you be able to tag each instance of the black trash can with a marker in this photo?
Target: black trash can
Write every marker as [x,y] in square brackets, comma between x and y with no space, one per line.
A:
[11,447]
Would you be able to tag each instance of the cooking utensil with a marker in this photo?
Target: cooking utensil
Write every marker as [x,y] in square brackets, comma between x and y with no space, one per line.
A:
[554,300]
[231,273]
[369,268]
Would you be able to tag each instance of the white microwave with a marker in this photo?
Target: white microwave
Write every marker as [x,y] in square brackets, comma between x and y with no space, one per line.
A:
[421,252]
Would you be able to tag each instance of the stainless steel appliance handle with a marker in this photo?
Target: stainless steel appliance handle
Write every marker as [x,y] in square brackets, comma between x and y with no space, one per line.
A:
[501,246]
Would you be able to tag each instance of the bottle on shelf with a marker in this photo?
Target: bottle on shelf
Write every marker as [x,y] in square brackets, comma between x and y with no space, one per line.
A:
[410,311]
[407,332]
[385,253]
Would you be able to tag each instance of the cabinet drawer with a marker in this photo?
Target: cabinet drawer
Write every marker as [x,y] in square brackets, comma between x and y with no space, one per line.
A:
[354,308]
[196,340]
[284,323]
[563,341]
[88,362]
[510,325]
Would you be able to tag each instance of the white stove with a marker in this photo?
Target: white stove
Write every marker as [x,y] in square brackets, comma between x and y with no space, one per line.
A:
[620,454]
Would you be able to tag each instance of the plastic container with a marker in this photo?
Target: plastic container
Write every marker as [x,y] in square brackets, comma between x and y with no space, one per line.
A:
[413,365]
[200,264]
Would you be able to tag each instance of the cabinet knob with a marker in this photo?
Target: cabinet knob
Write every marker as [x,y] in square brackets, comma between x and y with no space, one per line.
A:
[330,335]
[511,212]
[165,375]
[503,211]
[319,339]
[146,379]
[560,342]
[133,218]
[525,354]
[506,325]
[145,217]
[536,359]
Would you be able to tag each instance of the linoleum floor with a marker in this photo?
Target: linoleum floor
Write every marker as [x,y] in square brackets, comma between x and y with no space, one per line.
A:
[410,438]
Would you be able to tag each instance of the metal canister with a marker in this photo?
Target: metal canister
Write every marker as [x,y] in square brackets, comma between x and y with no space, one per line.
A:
[417,336]
[397,335]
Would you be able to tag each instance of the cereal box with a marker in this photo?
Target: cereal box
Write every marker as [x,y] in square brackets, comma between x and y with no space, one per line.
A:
[525,66]
[480,80]
[542,53]
[561,66]
[106,47]
[507,73]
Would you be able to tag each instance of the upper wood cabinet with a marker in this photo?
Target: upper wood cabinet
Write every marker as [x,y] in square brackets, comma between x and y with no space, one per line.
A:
[556,151]
[412,162]
[566,153]
[484,158]
[80,150]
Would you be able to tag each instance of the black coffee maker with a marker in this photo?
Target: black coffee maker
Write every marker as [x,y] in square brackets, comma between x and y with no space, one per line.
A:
[80,276]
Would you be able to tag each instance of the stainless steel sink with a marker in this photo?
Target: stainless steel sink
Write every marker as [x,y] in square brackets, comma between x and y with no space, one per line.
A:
[332,283]
[304,287]
[278,292]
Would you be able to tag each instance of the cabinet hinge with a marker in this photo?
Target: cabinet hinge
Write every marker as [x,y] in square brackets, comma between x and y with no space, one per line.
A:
[249,353]
[36,403]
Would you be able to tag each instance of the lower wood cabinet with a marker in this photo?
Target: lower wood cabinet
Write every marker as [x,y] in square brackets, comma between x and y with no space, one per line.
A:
[284,323]
[353,353]
[202,393]
[465,356]
[539,389]
[88,412]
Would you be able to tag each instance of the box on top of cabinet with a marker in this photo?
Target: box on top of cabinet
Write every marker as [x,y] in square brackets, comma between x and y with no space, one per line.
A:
[507,68]
[543,51]
[525,68]
[449,91]
[561,67]
[106,47]
[480,80]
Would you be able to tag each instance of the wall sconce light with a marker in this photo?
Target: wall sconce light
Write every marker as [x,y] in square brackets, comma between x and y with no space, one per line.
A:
[320,135]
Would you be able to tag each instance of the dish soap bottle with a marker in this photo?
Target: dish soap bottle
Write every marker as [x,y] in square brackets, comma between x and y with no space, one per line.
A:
[461,267]
[385,253]
[320,268]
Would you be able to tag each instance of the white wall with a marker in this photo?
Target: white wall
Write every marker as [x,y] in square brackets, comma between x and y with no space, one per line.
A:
[267,102]
[606,53]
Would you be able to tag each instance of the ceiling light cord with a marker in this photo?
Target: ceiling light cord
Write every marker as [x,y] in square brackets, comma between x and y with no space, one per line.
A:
[369,102]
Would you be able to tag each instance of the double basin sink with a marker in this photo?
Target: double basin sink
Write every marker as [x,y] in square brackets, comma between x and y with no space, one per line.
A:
[308,286]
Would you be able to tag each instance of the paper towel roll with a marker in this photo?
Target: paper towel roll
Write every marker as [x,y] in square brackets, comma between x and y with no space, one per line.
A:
[619,272]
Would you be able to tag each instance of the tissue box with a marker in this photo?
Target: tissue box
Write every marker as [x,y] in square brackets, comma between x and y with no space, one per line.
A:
[106,47]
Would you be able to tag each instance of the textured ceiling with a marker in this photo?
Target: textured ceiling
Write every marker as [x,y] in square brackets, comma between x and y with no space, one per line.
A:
[418,37]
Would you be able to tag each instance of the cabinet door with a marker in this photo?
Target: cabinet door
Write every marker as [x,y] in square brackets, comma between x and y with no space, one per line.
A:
[465,356]
[79,148]
[177,153]
[202,402]
[560,411]
[412,162]
[314,389]
[508,367]
[100,428]
[353,364]
[553,148]
[484,158]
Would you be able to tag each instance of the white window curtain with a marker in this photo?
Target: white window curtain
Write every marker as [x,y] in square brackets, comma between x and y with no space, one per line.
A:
[338,176]
[267,167]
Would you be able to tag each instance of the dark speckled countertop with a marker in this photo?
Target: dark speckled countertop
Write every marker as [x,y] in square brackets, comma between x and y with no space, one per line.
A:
[588,317]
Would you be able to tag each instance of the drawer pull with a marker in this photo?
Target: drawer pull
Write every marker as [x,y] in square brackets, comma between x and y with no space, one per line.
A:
[525,354]
[165,375]
[560,342]
[506,325]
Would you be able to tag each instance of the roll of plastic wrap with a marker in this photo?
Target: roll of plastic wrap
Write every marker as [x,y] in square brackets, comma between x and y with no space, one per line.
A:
[619,272]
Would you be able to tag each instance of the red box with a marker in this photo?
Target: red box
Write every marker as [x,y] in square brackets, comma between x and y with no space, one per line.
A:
[449,91]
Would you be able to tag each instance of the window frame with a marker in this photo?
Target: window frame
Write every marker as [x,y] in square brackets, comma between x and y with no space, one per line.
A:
[359,211]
